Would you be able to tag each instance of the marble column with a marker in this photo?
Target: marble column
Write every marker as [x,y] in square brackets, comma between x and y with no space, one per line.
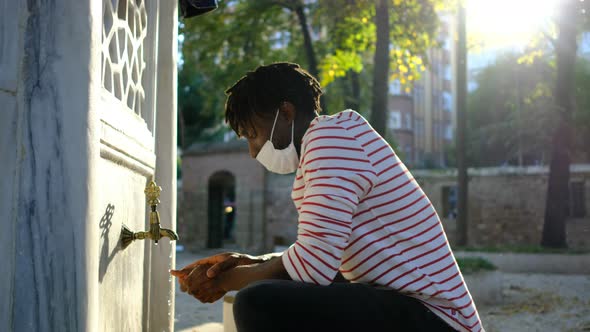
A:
[44,99]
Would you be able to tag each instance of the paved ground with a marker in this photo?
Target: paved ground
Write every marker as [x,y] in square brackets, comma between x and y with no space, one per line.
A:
[532,302]
[190,314]
[540,302]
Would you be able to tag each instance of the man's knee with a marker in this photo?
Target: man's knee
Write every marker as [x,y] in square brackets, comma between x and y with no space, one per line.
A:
[254,298]
[256,307]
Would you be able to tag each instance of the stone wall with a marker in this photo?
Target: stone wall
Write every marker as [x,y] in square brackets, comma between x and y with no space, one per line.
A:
[197,168]
[507,205]
[281,213]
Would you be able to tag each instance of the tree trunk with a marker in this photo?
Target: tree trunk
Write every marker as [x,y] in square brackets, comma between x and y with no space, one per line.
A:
[312,63]
[556,206]
[463,180]
[379,109]
[354,100]
[307,44]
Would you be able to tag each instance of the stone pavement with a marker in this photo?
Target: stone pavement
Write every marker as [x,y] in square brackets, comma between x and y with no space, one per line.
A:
[532,302]
[190,314]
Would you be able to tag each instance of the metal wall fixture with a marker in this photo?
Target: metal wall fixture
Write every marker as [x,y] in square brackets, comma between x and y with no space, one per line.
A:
[152,193]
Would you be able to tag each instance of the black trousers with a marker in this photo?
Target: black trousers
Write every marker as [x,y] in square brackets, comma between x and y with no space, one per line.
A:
[282,306]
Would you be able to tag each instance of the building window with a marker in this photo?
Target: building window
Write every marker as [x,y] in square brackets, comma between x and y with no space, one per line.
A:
[447,44]
[395,120]
[449,200]
[395,88]
[435,101]
[577,200]
[449,132]
[420,127]
[408,118]
[447,101]
[408,151]
[448,73]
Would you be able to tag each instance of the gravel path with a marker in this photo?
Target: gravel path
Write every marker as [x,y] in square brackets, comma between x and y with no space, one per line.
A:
[540,302]
[532,302]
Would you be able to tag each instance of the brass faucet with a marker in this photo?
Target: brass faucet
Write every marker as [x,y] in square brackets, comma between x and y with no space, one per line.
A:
[152,193]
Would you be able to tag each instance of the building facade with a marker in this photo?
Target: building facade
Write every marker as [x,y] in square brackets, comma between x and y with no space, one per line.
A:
[229,199]
[433,106]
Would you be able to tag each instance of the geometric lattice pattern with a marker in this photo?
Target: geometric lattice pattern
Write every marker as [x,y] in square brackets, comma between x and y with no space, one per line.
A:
[123,59]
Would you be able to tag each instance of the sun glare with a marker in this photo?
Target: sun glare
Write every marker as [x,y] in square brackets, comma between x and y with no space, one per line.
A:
[505,23]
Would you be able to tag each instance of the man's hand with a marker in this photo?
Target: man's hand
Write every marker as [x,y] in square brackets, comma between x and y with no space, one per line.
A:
[198,278]
[219,263]
[201,287]
[208,279]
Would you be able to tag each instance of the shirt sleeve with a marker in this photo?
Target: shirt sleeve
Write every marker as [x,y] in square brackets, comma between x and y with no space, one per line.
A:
[337,173]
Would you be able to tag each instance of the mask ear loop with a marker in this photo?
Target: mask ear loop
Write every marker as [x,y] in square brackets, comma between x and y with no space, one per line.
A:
[293,132]
[273,126]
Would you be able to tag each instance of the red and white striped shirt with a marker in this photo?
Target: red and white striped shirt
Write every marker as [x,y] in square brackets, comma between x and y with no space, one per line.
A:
[362,212]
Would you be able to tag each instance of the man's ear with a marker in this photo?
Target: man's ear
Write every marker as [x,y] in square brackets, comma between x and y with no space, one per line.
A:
[288,110]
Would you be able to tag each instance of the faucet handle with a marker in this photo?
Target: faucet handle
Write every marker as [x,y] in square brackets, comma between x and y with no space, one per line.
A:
[152,192]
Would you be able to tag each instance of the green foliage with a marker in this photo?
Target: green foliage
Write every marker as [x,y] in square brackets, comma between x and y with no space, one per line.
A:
[218,49]
[199,116]
[178,167]
[510,113]
[512,105]
[413,24]
[581,116]
[352,38]
[469,265]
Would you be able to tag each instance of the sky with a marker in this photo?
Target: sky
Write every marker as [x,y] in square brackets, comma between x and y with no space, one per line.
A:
[501,26]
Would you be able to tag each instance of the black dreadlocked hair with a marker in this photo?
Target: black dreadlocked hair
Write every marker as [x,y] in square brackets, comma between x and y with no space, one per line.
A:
[263,90]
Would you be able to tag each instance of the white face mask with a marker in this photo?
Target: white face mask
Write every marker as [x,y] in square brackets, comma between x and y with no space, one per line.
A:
[279,161]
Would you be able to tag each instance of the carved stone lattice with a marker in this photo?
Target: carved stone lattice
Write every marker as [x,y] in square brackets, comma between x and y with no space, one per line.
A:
[123,58]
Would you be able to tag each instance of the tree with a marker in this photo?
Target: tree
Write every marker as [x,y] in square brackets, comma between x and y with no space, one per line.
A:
[510,114]
[195,122]
[298,8]
[514,110]
[462,166]
[554,233]
[381,70]
[336,34]
[397,33]
[217,50]
[581,116]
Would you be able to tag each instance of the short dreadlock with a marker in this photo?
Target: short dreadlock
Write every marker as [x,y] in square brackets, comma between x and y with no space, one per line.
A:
[263,90]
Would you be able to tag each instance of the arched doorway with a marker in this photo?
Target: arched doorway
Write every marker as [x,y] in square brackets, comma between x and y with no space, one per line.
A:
[222,209]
